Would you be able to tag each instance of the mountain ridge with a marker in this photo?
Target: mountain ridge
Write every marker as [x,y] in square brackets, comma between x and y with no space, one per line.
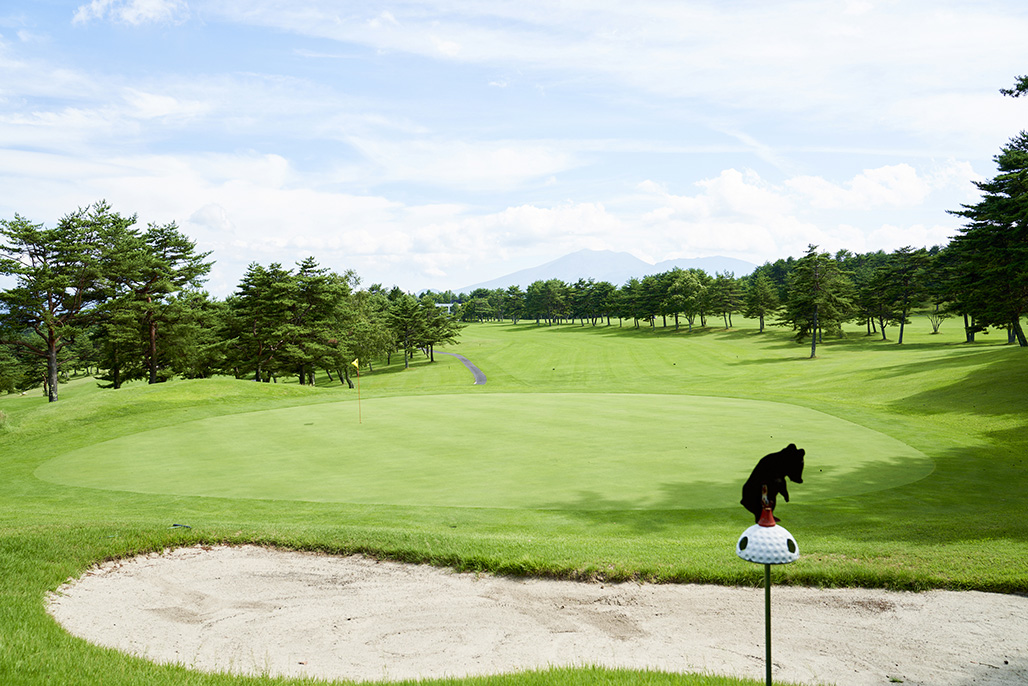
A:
[608,265]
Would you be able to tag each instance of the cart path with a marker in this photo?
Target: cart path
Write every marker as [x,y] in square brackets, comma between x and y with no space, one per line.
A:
[479,374]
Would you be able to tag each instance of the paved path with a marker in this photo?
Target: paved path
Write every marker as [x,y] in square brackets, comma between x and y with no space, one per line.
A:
[479,374]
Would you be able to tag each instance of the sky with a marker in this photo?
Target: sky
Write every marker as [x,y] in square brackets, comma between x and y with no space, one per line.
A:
[443,143]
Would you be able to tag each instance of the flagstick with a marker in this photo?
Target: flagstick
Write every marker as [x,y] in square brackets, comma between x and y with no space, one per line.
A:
[359,419]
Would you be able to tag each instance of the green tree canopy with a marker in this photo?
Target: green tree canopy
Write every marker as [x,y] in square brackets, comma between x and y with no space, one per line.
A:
[991,251]
[60,281]
[819,297]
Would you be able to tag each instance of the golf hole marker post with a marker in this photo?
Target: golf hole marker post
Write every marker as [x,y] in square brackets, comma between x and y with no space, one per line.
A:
[768,544]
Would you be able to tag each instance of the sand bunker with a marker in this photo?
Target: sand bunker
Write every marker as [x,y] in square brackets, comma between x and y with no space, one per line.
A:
[249,609]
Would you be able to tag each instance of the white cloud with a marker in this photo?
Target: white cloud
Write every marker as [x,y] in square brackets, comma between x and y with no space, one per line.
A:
[763,57]
[889,237]
[134,12]
[26,36]
[258,207]
[890,186]
[429,151]
[464,164]
[448,48]
[741,215]
[156,106]
[730,194]
[213,217]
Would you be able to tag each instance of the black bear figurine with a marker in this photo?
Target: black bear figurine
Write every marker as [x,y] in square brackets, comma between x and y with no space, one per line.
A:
[771,471]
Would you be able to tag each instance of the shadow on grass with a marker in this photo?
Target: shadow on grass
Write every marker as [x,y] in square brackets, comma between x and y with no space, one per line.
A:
[972,495]
[994,382]
[670,510]
[975,494]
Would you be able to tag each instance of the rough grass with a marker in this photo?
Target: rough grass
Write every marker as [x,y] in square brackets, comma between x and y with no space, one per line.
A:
[961,526]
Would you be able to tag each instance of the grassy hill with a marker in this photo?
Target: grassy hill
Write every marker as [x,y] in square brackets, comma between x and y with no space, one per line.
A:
[916,470]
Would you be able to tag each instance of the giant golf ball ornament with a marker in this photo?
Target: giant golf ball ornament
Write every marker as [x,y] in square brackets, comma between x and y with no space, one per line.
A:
[767,545]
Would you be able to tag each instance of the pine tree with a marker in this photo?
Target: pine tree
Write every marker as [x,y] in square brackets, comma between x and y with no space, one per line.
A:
[819,297]
[60,281]
[761,298]
[990,255]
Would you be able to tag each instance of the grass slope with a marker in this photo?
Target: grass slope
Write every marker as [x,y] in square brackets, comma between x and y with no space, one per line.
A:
[959,526]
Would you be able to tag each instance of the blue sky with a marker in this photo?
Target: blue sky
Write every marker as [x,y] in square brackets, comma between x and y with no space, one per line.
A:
[443,143]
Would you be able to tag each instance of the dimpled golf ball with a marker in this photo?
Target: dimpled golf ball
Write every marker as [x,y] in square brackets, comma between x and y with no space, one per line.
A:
[767,545]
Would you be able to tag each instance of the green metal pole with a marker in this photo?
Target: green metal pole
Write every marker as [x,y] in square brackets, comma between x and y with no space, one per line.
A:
[767,622]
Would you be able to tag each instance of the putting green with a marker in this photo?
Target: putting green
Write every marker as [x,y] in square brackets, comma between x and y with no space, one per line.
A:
[570,451]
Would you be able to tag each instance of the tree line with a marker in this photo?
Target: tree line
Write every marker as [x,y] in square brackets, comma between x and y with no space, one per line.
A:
[99,292]
[977,277]
[980,276]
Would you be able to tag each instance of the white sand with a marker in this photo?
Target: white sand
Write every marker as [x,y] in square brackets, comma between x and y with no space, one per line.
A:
[250,609]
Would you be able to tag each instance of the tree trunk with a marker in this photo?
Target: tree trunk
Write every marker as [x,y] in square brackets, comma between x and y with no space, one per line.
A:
[1019,333]
[761,324]
[903,320]
[151,350]
[51,369]
[968,332]
[813,336]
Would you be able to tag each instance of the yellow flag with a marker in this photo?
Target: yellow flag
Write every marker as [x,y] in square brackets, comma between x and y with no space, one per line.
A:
[355,361]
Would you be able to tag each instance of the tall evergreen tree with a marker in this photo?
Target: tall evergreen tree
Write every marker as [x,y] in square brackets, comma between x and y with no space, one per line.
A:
[761,298]
[369,334]
[514,303]
[725,296]
[147,269]
[819,297]
[906,284]
[406,321]
[438,327]
[990,254]
[59,281]
[317,316]
[256,325]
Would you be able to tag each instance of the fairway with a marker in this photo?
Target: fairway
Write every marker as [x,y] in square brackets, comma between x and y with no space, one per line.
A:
[576,451]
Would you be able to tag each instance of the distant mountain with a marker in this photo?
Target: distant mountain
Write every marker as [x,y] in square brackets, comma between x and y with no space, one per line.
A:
[607,265]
